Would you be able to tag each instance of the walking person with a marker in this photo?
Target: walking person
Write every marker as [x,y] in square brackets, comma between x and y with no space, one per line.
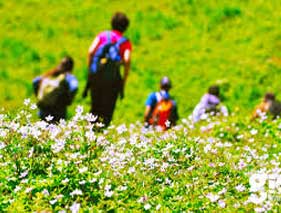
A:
[108,52]
[55,90]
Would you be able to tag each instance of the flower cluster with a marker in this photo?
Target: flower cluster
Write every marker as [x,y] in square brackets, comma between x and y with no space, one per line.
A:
[227,165]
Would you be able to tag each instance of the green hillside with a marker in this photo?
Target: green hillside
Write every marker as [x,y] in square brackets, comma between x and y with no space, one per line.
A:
[196,43]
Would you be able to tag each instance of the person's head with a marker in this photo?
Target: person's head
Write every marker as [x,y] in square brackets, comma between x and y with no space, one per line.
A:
[165,84]
[214,90]
[66,64]
[120,22]
[269,97]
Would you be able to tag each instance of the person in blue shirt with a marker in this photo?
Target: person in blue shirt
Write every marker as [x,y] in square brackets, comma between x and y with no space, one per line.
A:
[55,90]
[156,97]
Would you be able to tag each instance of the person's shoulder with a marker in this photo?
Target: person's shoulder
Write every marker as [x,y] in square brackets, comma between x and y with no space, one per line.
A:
[151,98]
[103,35]
[37,79]
[152,95]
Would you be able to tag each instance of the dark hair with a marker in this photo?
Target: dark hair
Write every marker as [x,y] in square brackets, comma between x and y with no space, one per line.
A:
[214,90]
[165,83]
[120,22]
[269,97]
[66,65]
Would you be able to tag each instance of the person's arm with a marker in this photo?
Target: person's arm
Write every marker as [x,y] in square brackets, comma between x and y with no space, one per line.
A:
[127,64]
[150,102]
[91,53]
[36,83]
[92,50]
[147,113]
[72,88]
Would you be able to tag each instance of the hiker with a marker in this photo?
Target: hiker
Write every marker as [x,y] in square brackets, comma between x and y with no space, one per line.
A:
[209,104]
[161,109]
[55,90]
[108,52]
[268,106]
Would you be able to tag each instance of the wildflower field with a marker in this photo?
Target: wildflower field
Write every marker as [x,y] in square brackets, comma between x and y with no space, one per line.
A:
[220,165]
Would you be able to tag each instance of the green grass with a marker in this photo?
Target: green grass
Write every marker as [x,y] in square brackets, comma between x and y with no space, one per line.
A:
[196,43]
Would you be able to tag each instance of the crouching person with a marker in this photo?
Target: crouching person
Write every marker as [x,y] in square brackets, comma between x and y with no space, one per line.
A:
[269,106]
[55,90]
[161,109]
[209,104]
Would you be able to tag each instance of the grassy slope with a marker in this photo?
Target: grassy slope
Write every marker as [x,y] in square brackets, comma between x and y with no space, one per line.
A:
[196,43]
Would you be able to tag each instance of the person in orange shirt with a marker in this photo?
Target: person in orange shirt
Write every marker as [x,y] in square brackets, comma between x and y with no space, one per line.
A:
[265,107]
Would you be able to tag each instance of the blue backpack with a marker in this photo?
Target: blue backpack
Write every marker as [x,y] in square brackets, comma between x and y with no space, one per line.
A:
[107,58]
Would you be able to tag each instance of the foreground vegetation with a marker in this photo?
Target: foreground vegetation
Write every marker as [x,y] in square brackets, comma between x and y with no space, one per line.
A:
[226,164]
[221,164]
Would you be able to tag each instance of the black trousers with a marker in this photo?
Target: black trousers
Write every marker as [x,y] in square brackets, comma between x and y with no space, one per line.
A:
[104,94]
[56,113]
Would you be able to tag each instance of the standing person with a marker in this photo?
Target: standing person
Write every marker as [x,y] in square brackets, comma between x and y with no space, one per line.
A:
[209,103]
[160,109]
[55,90]
[108,52]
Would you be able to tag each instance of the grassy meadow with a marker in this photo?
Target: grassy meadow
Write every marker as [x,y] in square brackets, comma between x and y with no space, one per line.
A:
[220,164]
[196,43]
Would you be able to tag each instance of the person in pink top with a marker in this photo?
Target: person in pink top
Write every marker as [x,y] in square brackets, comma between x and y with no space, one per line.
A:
[109,51]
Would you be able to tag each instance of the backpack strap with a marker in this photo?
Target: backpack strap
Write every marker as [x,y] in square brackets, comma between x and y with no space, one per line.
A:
[108,36]
[158,96]
[120,41]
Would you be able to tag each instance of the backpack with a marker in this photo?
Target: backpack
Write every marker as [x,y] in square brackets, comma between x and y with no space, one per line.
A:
[275,109]
[51,91]
[107,58]
[162,113]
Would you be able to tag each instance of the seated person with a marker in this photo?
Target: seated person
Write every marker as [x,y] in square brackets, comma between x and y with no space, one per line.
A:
[269,105]
[209,103]
[160,109]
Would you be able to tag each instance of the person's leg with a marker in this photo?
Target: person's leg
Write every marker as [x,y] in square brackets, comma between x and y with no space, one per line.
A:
[96,97]
[110,105]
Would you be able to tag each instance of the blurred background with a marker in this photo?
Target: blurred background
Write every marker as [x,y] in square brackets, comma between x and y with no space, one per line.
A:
[236,44]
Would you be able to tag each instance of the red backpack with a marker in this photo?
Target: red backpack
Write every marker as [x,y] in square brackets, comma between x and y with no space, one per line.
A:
[162,113]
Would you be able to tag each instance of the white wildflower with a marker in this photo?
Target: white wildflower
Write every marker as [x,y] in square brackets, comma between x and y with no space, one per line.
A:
[240,188]
[254,198]
[253,131]
[221,203]
[26,102]
[75,207]
[76,192]
[52,202]
[108,193]
[158,207]
[121,129]
[212,197]
[83,170]
[49,118]
[45,192]
[147,206]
